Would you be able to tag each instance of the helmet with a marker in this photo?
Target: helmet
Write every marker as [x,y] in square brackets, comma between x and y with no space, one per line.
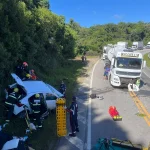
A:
[16,89]
[25,64]
[28,75]
[37,95]
[74,98]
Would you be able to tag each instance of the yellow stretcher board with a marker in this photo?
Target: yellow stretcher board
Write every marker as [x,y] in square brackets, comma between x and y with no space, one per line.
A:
[61,117]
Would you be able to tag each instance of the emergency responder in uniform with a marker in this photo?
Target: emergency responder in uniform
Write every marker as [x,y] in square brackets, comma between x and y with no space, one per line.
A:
[10,102]
[27,77]
[33,76]
[138,83]
[22,70]
[73,110]
[35,102]
[63,88]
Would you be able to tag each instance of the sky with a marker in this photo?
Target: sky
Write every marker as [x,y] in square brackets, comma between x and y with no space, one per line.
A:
[93,12]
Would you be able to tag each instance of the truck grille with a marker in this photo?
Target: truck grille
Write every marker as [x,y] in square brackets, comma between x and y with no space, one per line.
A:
[126,81]
[128,73]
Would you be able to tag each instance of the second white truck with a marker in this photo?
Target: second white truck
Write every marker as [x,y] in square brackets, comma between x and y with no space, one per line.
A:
[122,44]
[137,45]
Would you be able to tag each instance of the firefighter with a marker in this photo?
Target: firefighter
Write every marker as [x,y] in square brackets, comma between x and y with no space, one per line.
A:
[10,102]
[63,88]
[33,76]
[27,77]
[35,102]
[73,110]
[22,69]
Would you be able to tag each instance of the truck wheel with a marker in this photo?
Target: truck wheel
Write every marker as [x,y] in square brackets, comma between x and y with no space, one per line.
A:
[110,81]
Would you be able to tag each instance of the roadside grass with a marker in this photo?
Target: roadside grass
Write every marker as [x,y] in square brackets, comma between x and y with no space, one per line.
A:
[46,138]
[147,60]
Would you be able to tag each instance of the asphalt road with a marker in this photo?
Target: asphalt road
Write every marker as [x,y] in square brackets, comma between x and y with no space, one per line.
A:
[132,127]
[94,119]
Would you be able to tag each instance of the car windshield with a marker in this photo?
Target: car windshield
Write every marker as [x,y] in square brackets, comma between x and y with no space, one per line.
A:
[129,63]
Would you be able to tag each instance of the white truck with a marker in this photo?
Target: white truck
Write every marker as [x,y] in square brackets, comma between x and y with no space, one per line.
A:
[105,51]
[137,45]
[148,45]
[122,44]
[126,66]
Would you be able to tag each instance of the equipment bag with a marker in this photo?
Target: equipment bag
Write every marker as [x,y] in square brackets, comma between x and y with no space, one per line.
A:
[115,144]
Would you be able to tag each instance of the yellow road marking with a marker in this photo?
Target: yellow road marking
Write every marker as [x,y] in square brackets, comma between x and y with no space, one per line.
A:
[141,107]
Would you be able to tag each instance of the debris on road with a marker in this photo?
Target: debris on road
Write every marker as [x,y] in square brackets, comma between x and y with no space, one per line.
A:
[114,113]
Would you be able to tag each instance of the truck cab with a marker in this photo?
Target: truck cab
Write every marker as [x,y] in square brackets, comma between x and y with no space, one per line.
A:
[126,67]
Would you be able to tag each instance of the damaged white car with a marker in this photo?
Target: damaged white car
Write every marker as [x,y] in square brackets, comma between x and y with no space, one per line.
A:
[29,88]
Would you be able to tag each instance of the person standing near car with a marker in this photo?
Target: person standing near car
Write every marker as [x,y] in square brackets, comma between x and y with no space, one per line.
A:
[22,70]
[35,103]
[73,110]
[33,76]
[63,88]
[10,102]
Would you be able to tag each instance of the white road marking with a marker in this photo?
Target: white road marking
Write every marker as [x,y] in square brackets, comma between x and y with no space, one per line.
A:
[89,112]
[76,141]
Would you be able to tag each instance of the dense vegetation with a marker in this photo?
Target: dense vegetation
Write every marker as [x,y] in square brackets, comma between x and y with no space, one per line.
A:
[95,37]
[30,32]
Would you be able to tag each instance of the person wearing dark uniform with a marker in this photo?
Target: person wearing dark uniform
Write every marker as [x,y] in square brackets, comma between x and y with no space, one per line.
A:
[73,110]
[35,102]
[63,88]
[22,70]
[10,102]
[76,112]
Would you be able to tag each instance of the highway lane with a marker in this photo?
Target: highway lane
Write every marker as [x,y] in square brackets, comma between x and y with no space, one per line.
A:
[132,127]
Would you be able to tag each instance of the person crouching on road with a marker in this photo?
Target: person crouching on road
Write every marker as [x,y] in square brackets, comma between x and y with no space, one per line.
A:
[35,103]
[10,102]
[73,110]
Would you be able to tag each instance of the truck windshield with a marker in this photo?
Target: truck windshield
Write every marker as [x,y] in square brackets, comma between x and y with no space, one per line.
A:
[129,63]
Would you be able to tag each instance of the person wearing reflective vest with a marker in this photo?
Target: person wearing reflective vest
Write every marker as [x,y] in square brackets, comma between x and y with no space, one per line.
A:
[35,103]
[10,103]
[138,82]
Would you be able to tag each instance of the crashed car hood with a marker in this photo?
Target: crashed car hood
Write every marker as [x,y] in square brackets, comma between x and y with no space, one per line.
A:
[17,79]
[54,91]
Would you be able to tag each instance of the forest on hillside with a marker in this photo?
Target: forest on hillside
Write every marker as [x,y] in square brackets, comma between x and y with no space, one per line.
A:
[31,32]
